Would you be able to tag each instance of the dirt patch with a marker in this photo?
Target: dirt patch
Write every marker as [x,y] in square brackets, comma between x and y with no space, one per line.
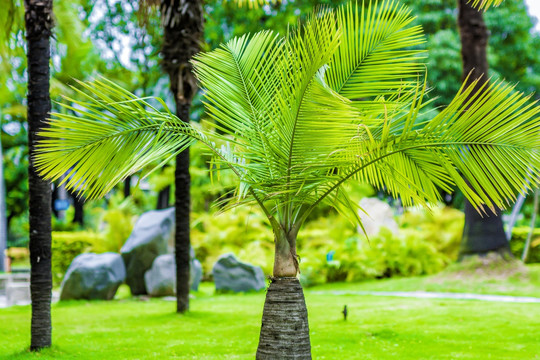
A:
[491,266]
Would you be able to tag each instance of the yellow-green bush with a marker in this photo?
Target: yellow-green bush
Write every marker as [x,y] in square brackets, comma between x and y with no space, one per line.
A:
[519,237]
[426,244]
[66,245]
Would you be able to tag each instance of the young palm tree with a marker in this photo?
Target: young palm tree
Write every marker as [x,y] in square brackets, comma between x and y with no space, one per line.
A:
[338,99]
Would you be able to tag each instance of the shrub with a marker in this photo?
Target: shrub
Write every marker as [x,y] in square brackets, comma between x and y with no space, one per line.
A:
[519,237]
[66,246]
[244,232]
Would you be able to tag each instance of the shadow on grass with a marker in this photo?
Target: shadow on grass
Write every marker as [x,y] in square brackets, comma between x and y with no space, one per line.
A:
[52,352]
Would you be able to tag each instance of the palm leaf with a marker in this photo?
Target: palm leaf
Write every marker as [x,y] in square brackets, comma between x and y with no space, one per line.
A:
[485,4]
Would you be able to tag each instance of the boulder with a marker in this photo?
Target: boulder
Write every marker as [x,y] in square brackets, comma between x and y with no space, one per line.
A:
[93,276]
[147,241]
[160,280]
[233,275]
[379,214]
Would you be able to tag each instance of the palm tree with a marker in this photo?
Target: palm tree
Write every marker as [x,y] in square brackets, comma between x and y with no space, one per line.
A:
[39,22]
[481,234]
[182,22]
[338,99]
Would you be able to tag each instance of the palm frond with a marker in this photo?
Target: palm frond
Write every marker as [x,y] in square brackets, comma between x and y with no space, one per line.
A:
[108,135]
[337,99]
[379,54]
[485,4]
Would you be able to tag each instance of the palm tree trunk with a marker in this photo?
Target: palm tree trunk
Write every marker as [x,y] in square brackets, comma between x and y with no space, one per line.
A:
[3,218]
[38,20]
[481,234]
[284,329]
[183,27]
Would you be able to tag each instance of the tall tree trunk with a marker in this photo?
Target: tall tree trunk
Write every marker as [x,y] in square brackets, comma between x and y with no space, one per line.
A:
[183,26]
[481,234]
[39,22]
[127,187]
[78,205]
[163,198]
[3,218]
[284,329]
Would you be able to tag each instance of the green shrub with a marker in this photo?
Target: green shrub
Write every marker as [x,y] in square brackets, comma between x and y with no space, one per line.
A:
[426,244]
[242,231]
[519,237]
[442,227]
[66,246]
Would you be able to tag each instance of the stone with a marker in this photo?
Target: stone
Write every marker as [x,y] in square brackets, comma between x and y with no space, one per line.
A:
[148,240]
[232,275]
[160,280]
[379,214]
[93,277]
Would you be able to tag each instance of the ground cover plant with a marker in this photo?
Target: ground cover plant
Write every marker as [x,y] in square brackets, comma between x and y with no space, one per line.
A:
[226,326]
[335,100]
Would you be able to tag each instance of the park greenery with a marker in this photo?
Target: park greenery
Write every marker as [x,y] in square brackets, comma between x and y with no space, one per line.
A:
[303,110]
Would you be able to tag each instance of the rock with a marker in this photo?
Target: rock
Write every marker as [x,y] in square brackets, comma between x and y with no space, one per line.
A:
[233,275]
[380,214]
[147,241]
[160,280]
[93,276]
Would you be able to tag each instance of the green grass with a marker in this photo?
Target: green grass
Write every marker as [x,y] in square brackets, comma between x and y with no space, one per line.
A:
[227,327]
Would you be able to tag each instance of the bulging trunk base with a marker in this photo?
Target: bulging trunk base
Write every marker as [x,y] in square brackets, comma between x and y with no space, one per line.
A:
[285,329]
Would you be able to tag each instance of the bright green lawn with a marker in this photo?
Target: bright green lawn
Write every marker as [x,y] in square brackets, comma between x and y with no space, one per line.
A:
[227,326]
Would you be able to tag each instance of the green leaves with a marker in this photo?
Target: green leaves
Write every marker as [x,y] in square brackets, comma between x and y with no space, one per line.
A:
[108,136]
[485,4]
[337,99]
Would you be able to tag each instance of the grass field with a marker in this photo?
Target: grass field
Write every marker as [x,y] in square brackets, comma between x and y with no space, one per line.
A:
[227,326]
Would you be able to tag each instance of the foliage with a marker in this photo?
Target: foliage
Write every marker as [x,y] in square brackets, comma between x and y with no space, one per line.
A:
[116,223]
[441,226]
[385,255]
[519,236]
[512,46]
[243,231]
[359,79]
[66,246]
[427,242]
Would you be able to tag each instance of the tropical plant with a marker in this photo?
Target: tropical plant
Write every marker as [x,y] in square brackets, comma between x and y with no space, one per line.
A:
[336,100]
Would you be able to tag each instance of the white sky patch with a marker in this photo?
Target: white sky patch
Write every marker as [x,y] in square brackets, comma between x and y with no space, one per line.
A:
[534,10]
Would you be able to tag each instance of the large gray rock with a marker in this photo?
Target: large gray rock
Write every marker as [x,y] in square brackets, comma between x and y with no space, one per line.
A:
[233,275]
[379,214]
[160,280]
[93,276]
[147,241]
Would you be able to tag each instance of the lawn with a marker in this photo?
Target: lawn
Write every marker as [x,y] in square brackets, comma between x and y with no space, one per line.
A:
[227,326]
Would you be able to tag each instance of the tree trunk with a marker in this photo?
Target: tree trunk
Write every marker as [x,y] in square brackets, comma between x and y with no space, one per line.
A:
[183,27]
[78,205]
[163,198]
[480,234]
[3,218]
[38,20]
[127,187]
[284,329]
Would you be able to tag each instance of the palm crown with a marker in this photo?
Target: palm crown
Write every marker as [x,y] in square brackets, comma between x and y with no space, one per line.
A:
[334,100]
